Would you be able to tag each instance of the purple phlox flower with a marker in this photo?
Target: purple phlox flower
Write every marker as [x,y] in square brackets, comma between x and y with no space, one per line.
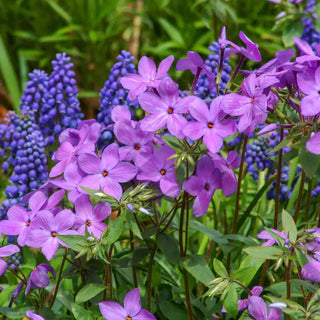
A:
[209,124]
[33,316]
[120,113]
[195,64]
[309,84]
[47,227]
[72,178]
[106,173]
[223,38]
[5,252]
[268,128]
[15,293]
[270,240]
[165,108]
[132,308]
[157,168]
[243,303]
[226,166]
[251,106]
[148,76]
[313,144]
[39,277]
[203,184]
[91,218]
[73,143]
[310,271]
[258,309]
[306,52]
[135,140]
[251,51]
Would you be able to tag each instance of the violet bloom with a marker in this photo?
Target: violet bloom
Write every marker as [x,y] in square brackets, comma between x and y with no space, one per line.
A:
[33,316]
[203,184]
[310,271]
[209,124]
[270,240]
[48,227]
[39,277]
[107,172]
[251,51]
[258,309]
[226,166]
[165,108]
[5,252]
[148,76]
[195,64]
[309,84]
[91,218]
[158,168]
[134,139]
[131,310]
[251,106]
[313,144]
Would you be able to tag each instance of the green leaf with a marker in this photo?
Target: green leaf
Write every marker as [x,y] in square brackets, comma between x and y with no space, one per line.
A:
[114,230]
[219,268]
[14,313]
[133,225]
[289,226]
[169,247]
[173,142]
[88,292]
[173,32]
[310,162]
[266,253]
[215,235]
[198,267]
[230,301]
[9,76]
[244,275]
[59,10]
[75,242]
[172,310]
[295,29]
[80,313]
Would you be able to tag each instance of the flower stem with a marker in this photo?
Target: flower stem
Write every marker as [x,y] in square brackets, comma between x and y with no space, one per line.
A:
[134,269]
[153,252]
[298,204]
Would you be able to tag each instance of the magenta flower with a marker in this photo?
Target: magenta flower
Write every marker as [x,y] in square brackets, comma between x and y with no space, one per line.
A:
[258,309]
[310,271]
[165,109]
[131,310]
[251,51]
[203,184]
[148,76]
[209,124]
[39,277]
[5,252]
[158,168]
[107,172]
[195,64]
[91,218]
[47,227]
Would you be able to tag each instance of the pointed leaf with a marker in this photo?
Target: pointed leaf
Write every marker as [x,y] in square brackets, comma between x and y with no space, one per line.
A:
[230,301]
[289,226]
[219,268]
[88,292]
[271,253]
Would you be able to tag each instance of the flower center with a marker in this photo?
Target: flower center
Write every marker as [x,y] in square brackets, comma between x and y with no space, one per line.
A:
[163,172]
[170,110]
[206,187]
[228,166]
[28,224]
[128,318]
[252,99]
[104,173]
[53,234]
[137,146]
[89,223]
[210,125]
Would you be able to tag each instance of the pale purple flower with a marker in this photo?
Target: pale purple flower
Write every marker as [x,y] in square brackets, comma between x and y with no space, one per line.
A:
[48,227]
[39,277]
[209,124]
[310,271]
[5,252]
[165,108]
[148,76]
[195,64]
[134,139]
[157,168]
[33,316]
[313,144]
[270,240]
[91,218]
[203,184]
[258,309]
[106,173]
[120,113]
[132,308]
[306,52]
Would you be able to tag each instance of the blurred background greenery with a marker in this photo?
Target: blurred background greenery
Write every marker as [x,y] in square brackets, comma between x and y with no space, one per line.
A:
[94,32]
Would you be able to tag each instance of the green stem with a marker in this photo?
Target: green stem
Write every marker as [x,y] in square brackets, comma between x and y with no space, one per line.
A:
[153,252]
[59,278]
[303,178]
[134,269]
[187,291]
[308,202]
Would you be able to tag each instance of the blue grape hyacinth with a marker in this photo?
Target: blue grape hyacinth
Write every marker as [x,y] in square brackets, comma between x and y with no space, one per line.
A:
[61,107]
